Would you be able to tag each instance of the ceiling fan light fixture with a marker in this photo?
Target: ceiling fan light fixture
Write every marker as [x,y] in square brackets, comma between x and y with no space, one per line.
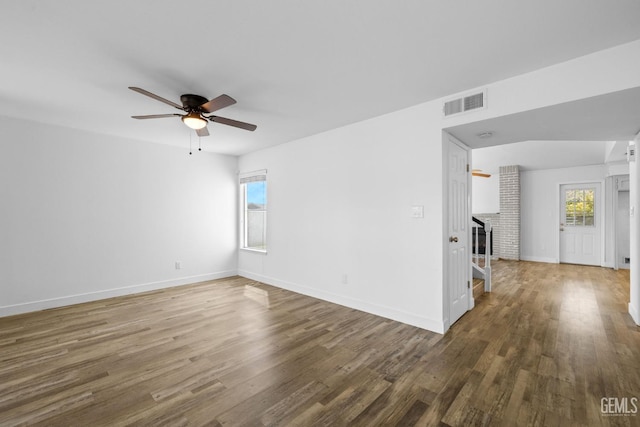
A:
[194,121]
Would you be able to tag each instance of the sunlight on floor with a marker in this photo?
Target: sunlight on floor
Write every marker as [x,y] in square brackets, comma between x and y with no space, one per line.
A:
[258,295]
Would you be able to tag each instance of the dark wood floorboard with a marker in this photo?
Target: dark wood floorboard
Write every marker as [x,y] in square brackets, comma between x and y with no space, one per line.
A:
[542,349]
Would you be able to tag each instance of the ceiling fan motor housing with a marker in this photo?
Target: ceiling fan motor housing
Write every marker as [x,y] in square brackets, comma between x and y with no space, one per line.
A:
[192,102]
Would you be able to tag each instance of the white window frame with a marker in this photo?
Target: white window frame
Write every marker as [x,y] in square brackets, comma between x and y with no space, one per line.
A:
[244,179]
[584,217]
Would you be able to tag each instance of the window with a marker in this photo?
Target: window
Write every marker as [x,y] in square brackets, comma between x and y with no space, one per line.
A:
[579,207]
[253,196]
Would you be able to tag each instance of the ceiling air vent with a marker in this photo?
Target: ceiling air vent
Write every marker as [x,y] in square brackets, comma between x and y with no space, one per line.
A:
[465,103]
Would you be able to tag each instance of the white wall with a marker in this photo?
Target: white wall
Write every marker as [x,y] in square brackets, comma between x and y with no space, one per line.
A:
[340,204]
[87,216]
[540,208]
[596,74]
[485,196]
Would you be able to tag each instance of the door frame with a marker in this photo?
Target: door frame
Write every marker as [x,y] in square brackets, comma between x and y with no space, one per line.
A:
[600,209]
[615,182]
[447,139]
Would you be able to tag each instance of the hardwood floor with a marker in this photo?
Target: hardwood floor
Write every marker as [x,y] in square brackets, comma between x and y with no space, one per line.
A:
[543,348]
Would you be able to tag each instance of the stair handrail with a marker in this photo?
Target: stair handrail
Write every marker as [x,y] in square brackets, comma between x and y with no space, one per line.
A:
[485,271]
[476,252]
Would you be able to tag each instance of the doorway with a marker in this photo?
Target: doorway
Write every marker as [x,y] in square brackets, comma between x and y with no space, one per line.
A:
[622,223]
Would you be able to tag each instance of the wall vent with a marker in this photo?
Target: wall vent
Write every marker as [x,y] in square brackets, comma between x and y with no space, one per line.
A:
[465,103]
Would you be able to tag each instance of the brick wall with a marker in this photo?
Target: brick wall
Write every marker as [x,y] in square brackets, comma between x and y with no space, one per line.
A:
[509,232]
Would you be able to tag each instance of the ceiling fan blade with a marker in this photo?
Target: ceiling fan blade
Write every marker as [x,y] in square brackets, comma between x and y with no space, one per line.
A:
[480,174]
[156,116]
[217,103]
[202,131]
[234,123]
[156,97]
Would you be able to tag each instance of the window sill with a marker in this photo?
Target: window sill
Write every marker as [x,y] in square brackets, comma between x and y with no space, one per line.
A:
[259,251]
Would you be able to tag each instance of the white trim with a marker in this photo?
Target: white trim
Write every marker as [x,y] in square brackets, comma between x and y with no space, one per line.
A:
[251,173]
[603,222]
[600,208]
[27,307]
[242,226]
[539,259]
[614,220]
[634,314]
[446,139]
[615,179]
[376,309]
[634,231]
[446,323]
[260,251]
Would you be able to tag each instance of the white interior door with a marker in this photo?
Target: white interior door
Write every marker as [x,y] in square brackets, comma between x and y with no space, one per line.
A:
[580,223]
[458,255]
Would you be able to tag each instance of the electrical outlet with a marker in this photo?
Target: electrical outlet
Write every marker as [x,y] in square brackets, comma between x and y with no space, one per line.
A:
[178,265]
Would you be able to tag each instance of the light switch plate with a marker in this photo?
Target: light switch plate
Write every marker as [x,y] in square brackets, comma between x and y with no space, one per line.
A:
[417,212]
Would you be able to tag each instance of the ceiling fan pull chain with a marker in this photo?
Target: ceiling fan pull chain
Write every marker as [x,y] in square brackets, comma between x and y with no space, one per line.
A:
[199,146]
[190,143]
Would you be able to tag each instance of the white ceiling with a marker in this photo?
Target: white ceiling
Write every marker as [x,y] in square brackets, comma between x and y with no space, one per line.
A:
[535,155]
[611,117]
[577,133]
[295,67]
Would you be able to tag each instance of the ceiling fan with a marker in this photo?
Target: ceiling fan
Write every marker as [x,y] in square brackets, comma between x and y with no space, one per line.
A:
[198,111]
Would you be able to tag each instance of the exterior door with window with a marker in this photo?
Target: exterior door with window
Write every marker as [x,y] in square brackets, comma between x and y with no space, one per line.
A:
[580,224]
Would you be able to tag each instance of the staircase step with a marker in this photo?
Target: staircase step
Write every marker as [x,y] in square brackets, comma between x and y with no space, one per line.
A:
[478,288]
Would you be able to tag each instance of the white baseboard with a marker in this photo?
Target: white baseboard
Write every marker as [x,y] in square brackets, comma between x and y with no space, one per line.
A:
[634,314]
[27,307]
[556,261]
[367,307]
[539,259]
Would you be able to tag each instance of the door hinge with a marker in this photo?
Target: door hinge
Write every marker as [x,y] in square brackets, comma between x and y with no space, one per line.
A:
[467,167]
[468,284]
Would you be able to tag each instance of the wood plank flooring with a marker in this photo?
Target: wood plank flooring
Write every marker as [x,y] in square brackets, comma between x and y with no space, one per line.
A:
[543,348]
